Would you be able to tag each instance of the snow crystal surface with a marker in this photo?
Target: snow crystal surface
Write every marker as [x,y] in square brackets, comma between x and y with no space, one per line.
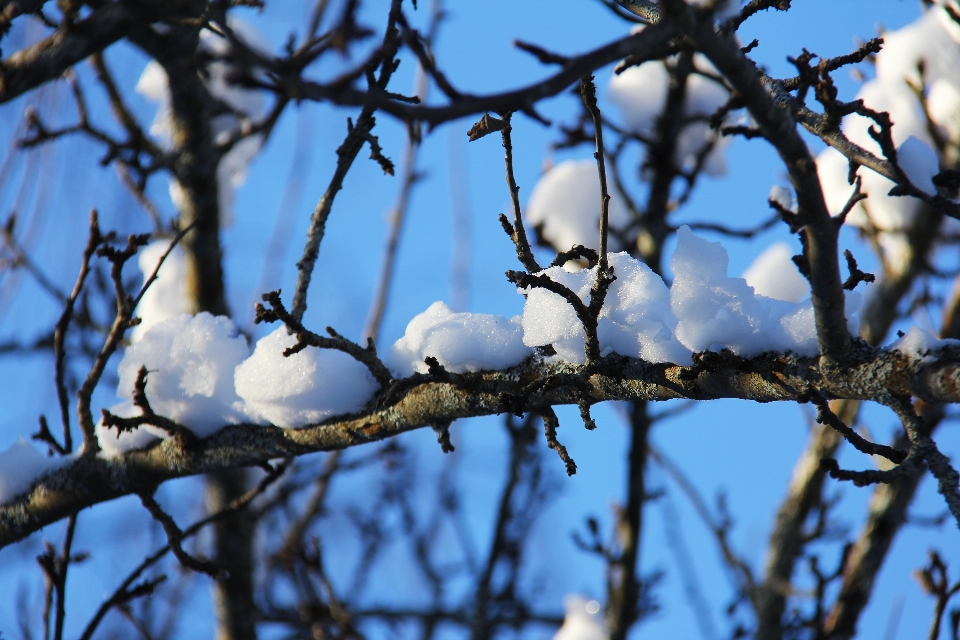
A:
[582,620]
[635,320]
[566,201]
[460,342]
[303,389]
[774,275]
[640,93]
[191,362]
[166,297]
[113,444]
[20,466]
[917,342]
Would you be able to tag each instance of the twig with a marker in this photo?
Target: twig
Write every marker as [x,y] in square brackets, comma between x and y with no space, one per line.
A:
[357,135]
[306,338]
[516,230]
[125,587]
[550,425]
[94,240]
[861,444]
[589,94]
[948,480]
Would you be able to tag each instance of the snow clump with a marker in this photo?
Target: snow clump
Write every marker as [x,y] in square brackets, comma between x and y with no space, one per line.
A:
[460,342]
[635,320]
[565,203]
[190,360]
[917,342]
[20,466]
[716,311]
[303,389]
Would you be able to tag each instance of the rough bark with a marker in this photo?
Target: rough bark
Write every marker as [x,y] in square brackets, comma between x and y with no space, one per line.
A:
[423,401]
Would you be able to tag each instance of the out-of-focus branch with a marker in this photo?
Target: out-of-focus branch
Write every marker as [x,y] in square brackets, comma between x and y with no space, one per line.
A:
[653,43]
[71,43]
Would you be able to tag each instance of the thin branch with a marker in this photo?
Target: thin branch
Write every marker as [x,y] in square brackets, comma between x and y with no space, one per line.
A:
[357,135]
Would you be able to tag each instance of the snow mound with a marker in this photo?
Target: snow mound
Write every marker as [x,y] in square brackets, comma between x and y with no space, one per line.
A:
[716,311]
[190,360]
[636,319]
[460,342]
[166,297]
[566,202]
[303,389]
[20,466]
[774,275]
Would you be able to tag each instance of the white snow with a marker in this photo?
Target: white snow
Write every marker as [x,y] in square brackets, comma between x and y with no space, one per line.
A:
[303,389]
[566,201]
[783,196]
[582,620]
[917,342]
[920,163]
[113,444]
[931,39]
[191,361]
[705,309]
[20,466]
[635,320]
[774,275]
[166,297]
[460,342]
[640,93]
[943,103]
[716,311]
[247,103]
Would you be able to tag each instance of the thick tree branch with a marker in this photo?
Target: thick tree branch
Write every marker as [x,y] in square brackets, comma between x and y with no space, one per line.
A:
[49,58]
[651,44]
[424,401]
